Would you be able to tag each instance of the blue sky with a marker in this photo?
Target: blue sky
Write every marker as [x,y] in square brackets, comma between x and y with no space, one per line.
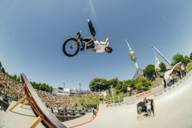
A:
[32,34]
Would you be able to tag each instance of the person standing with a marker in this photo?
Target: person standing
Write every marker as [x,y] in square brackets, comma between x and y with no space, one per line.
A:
[148,106]
[94,112]
[152,107]
[164,83]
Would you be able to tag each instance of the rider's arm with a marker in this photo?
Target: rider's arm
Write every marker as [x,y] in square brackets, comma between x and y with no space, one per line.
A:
[104,43]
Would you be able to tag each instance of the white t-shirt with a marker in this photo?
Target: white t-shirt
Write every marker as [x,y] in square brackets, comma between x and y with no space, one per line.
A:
[100,46]
[148,105]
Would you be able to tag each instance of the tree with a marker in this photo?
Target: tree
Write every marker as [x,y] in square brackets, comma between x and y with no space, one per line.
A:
[177,58]
[119,86]
[113,82]
[126,84]
[3,70]
[142,84]
[186,60]
[42,86]
[190,56]
[149,71]
[189,67]
[163,67]
[123,85]
[99,84]
[181,58]
[14,77]
[0,65]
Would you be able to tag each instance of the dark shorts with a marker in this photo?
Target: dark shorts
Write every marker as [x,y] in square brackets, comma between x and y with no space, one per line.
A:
[89,42]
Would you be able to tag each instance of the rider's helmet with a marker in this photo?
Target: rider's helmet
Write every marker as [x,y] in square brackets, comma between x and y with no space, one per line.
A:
[108,49]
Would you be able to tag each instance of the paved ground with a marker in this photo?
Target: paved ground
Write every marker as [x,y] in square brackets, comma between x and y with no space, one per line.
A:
[21,117]
[173,110]
[84,119]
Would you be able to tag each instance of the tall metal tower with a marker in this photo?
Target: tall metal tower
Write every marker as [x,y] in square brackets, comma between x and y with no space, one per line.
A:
[132,55]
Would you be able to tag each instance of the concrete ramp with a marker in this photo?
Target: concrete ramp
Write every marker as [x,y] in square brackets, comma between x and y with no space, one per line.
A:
[173,109]
[39,107]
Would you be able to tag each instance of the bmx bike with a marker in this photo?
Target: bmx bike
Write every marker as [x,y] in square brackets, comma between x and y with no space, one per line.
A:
[73,45]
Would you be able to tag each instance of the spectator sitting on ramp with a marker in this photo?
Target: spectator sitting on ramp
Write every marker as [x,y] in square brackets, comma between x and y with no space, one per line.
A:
[146,107]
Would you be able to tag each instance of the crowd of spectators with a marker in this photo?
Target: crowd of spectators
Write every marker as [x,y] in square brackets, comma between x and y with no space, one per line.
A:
[70,105]
[10,87]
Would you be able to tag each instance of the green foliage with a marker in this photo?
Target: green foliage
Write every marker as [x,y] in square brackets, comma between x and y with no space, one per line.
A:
[86,101]
[163,67]
[0,65]
[123,85]
[42,86]
[190,56]
[149,71]
[186,60]
[177,58]
[189,67]
[99,84]
[119,86]
[15,77]
[181,58]
[116,98]
[142,84]
[2,68]
[114,82]
[117,91]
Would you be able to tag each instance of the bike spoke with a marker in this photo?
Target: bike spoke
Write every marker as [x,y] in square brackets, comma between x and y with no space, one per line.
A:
[71,47]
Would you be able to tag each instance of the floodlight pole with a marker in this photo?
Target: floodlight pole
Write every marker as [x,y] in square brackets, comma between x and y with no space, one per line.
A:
[161,54]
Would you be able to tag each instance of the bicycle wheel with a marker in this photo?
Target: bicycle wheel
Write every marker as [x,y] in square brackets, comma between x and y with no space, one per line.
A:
[71,47]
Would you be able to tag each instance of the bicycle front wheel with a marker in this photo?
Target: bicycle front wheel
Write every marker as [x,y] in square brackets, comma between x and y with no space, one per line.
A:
[71,47]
